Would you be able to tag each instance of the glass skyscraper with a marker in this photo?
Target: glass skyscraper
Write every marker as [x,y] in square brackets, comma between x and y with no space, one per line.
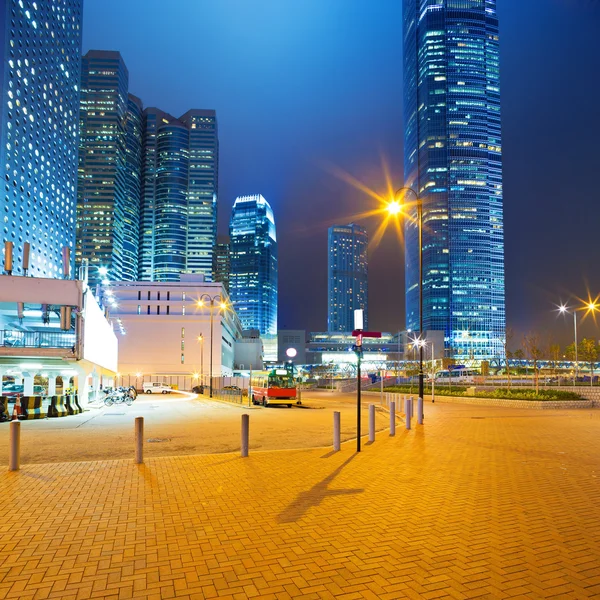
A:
[40,68]
[453,160]
[253,254]
[347,269]
[179,180]
[222,263]
[103,207]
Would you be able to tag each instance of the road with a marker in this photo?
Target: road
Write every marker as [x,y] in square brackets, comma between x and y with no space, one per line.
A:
[180,424]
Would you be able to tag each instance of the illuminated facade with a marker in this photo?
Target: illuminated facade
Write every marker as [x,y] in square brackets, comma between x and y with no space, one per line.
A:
[40,44]
[179,179]
[253,275]
[453,159]
[222,263]
[347,267]
[104,216]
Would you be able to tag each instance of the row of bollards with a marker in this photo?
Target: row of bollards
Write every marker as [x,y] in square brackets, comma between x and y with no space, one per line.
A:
[14,457]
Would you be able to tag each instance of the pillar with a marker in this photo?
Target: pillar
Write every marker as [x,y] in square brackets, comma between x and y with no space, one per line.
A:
[28,384]
[52,385]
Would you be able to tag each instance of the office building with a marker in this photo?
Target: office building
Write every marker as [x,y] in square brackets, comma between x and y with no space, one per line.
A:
[453,160]
[347,269]
[253,274]
[179,185]
[222,262]
[101,191]
[40,67]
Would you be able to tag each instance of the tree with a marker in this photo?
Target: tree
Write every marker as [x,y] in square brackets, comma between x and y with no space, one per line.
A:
[531,344]
[588,351]
[508,336]
[554,350]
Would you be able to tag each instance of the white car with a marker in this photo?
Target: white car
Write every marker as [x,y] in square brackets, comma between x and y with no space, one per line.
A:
[155,387]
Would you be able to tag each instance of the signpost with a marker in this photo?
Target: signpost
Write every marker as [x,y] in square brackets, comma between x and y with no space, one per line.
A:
[359,334]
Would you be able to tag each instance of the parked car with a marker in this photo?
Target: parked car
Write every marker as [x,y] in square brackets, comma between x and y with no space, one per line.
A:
[155,387]
[14,390]
[198,389]
[233,387]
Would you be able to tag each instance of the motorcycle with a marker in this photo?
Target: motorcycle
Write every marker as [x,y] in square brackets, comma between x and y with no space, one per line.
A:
[120,395]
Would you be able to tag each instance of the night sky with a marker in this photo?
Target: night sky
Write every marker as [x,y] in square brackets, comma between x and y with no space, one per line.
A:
[304,90]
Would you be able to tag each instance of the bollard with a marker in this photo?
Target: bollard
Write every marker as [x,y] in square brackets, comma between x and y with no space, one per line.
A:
[336,432]
[412,408]
[245,434]
[407,412]
[420,411]
[14,458]
[392,418]
[139,440]
[371,423]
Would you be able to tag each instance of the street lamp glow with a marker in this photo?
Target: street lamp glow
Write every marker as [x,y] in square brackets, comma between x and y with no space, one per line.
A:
[394,207]
[562,309]
[223,305]
[103,271]
[592,306]
[200,303]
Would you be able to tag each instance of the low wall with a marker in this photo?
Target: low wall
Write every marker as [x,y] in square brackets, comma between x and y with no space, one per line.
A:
[505,402]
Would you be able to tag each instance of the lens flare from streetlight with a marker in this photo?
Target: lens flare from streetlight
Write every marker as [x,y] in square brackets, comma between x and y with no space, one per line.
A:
[394,207]
[223,305]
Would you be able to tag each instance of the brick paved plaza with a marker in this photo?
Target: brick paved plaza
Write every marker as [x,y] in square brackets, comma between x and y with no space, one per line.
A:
[478,503]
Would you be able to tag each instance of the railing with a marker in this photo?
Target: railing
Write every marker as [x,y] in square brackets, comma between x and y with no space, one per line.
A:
[36,339]
[236,396]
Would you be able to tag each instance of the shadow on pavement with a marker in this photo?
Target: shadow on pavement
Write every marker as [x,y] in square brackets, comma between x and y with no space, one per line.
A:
[313,497]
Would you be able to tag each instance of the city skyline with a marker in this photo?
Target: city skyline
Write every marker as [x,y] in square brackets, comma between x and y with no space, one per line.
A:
[354,66]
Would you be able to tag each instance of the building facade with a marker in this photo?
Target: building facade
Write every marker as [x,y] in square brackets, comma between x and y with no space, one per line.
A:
[104,206]
[222,263]
[253,275]
[453,160]
[40,63]
[347,276]
[164,332]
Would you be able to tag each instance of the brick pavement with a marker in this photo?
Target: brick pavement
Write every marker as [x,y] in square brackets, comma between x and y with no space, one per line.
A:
[478,503]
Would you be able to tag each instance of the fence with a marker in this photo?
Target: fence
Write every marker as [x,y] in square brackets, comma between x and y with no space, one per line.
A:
[37,339]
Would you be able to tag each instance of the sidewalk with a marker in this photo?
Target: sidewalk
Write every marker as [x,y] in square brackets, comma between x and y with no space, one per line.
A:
[475,504]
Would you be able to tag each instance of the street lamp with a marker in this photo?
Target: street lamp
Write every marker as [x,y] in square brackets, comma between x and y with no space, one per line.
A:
[208,300]
[563,310]
[201,340]
[394,208]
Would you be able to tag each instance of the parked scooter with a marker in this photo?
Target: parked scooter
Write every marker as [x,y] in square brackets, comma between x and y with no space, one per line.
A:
[121,395]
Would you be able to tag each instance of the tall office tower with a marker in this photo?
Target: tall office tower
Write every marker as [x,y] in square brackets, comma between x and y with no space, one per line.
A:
[133,188]
[103,210]
[178,224]
[202,191]
[222,262]
[40,67]
[347,267]
[453,160]
[253,275]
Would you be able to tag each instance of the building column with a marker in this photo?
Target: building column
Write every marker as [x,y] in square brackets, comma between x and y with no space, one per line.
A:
[81,384]
[2,372]
[95,385]
[51,385]
[28,384]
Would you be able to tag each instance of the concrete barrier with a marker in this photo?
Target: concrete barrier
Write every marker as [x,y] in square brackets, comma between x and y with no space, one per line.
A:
[57,407]
[71,404]
[4,413]
[32,408]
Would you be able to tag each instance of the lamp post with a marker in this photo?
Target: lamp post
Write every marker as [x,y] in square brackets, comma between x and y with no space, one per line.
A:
[395,207]
[563,310]
[201,340]
[207,299]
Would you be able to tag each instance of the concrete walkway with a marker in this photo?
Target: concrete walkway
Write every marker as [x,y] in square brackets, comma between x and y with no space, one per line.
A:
[478,503]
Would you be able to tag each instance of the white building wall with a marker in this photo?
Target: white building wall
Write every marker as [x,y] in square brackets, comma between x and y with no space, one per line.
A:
[158,325]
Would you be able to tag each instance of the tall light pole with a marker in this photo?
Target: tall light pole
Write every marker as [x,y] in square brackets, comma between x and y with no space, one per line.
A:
[395,207]
[201,340]
[208,300]
[563,310]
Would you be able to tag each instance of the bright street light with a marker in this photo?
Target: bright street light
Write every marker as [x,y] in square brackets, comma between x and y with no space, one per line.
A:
[394,207]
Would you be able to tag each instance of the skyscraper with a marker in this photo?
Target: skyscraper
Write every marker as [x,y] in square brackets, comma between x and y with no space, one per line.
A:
[178,223]
[40,67]
[347,284]
[104,209]
[222,262]
[253,252]
[453,160]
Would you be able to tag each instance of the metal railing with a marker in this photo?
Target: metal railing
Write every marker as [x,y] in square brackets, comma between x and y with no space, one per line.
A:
[235,396]
[37,339]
